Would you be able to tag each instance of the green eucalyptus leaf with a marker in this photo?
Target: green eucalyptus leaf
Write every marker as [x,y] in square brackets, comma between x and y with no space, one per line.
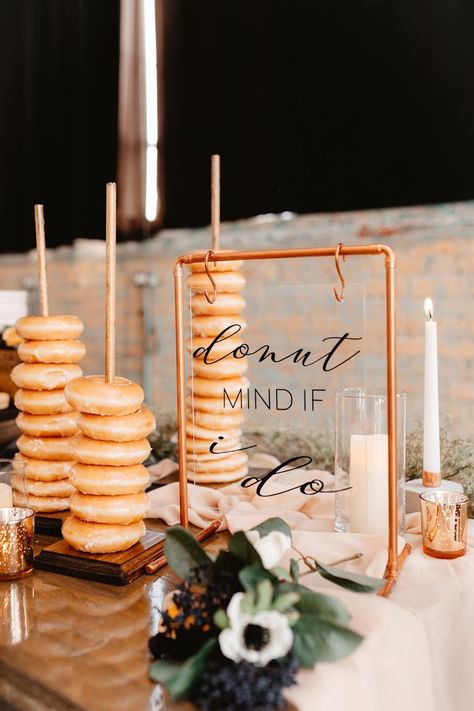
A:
[264,596]
[294,570]
[252,575]
[184,553]
[220,619]
[317,604]
[273,524]
[293,617]
[240,546]
[318,640]
[248,603]
[163,670]
[350,581]
[283,602]
[282,574]
[180,678]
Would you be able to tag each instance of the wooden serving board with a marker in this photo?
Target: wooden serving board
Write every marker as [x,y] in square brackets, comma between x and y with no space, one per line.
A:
[112,568]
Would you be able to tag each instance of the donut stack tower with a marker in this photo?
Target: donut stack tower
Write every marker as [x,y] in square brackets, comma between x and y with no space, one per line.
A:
[214,411]
[50,352]
[109,503]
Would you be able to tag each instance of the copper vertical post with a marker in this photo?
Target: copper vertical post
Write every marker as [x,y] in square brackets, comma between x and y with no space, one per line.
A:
[110,281]
[41,258]
[181,393]
[392,563]
[215,200]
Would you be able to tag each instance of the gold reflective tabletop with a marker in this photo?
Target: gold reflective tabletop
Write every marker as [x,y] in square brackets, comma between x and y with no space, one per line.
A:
[71,644]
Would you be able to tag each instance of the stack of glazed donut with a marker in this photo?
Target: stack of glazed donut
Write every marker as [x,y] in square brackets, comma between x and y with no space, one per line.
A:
[50,352]
[109,502]
[210,416]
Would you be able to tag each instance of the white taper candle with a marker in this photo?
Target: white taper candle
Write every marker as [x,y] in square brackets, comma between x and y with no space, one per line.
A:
[431,449]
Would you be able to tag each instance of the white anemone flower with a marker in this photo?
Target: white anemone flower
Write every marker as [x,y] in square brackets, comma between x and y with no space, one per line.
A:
[256,638]
[271,548]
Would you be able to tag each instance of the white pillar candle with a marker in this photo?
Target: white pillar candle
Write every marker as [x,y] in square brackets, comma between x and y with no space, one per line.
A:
[431,453]
[368,472]
[6,498]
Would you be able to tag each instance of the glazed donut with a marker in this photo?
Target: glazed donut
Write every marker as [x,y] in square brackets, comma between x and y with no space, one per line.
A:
[224,305]
[41,504]
[44,376]
[216,266]
[200,448]
[214,325]
[45,447]
[226,282]
[54,489]
[117,428]
[101,537]
[11,337]
[219,349]
[93,395]
[51,351]
[205,387]
[63,425]
[41,469]
[218,477]
[232,461]
[216,421]
[205,433]
[109,481]
[49,328]
[221,370]
[115,454]
[44,402]
[120,510]
[213,405]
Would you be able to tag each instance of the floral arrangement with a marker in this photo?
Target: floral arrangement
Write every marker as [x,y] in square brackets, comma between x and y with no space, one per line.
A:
[237,629]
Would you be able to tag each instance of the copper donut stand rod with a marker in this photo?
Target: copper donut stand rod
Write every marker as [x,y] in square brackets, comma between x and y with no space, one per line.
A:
[395,561]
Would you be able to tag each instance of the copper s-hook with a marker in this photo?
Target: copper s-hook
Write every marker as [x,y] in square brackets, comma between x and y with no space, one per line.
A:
[212,299]
[340,297]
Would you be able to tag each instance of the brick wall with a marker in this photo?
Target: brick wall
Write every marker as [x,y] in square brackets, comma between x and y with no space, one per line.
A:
[435,254]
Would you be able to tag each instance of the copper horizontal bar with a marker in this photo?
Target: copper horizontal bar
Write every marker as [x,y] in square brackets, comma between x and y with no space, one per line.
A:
[224,256]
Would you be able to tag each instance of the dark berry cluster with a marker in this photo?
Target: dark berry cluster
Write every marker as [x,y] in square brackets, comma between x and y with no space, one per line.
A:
[187,622]
[244,686]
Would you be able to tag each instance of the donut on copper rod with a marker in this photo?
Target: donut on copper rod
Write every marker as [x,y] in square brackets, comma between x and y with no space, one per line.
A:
[109,502]
[50,351]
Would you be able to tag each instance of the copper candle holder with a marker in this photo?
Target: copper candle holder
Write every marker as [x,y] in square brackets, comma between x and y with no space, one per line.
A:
[432,479]
[16,542]
[444,523]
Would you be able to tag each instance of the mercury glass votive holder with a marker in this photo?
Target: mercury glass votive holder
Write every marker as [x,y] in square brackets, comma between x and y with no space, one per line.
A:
[444,523]
[16,542]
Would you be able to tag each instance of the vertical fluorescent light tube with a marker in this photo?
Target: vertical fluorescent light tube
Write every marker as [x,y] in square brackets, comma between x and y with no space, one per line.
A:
[151,201]
[151,111]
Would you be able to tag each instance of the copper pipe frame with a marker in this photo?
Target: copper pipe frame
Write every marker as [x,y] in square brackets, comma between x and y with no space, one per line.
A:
[394,561]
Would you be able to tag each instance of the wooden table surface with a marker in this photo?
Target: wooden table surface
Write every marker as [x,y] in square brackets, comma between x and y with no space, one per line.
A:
[70,644]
